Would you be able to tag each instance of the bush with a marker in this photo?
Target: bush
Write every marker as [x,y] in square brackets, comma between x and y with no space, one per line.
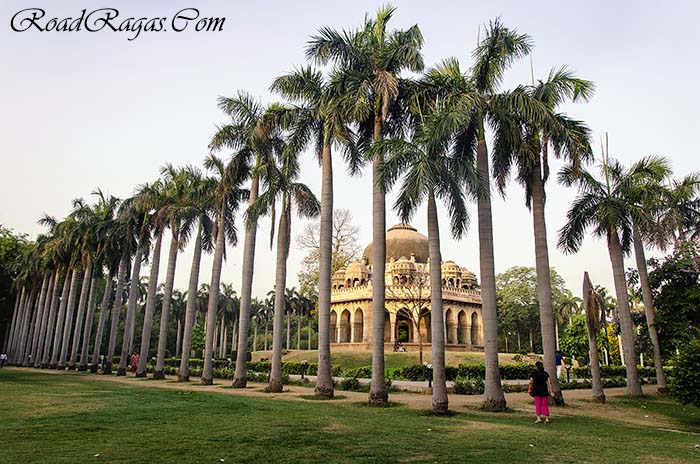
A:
[469,385]
[350,384]
[685,381]
[362,372]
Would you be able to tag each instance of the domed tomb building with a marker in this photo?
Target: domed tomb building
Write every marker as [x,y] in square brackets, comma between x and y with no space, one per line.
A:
[407,313]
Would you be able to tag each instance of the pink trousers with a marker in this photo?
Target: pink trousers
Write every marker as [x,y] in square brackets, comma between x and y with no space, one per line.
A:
[542,405]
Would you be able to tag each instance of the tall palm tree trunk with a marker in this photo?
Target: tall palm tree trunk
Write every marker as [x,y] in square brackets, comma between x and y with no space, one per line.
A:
[184,371]
[130,311]
[17,315]
[240,378]
[208,371]
[437,325]
[7,342]
[48,338]
[289,330]
[16,350]
[255,336]
[225,342]
[89,320]
[104,309]
[309,332]
[159,372]
[544,283]
[44,321]
[150,307]
[267,321]
[60,320]
[634,388]
[378,393]
[661,385]
[299,330]
[178,337]
[494,399]
[116,311]
[68,324]
[29,330]
[280,284]
[39,317]
[592,324]
[84,291]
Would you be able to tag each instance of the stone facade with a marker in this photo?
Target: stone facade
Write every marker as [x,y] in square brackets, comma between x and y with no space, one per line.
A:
[407,315]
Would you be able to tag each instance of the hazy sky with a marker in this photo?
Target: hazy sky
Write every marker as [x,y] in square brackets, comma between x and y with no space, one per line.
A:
[80,110]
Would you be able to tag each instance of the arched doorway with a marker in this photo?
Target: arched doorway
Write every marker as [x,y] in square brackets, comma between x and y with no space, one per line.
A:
[462,328]
[359,328]
[345,327]
[450,326]
[387,326]
[476,329]
[334,327]
[404,327]
[424,325]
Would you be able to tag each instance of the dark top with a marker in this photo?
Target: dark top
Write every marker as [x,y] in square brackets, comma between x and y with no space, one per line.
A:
[539,383]
[558,357]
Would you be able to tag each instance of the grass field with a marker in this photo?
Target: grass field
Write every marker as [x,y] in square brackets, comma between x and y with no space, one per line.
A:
[72,417]
[351,359]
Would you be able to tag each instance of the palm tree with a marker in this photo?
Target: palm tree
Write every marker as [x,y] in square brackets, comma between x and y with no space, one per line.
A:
[568,305]
[201,200]
[431,172]
[478,98]
[645,193]
[137,213]
[603,207]
[566,138]
[317,116]
[593,311]
[88,241]
[249,137]
[111,233]
[227,197]
[282,187]
[369,63]
[680,211]
[155,201]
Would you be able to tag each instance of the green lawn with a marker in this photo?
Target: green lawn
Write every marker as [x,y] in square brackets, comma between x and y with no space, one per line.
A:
[351,359]
[67,419]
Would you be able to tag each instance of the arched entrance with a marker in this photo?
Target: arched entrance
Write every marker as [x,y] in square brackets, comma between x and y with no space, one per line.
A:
[334,327]
[359,328]
[462,334]
[404,327]
[450,326]
[345,327]
[476,329]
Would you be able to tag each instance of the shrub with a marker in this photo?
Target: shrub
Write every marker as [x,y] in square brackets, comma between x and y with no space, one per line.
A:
[469,385]
[685,381]
[350,384]
[362,372]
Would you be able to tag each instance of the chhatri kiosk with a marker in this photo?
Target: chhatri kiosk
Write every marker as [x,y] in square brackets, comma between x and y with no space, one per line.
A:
[407,298]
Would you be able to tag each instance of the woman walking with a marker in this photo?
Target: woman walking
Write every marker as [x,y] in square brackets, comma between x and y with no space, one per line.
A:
[540,388]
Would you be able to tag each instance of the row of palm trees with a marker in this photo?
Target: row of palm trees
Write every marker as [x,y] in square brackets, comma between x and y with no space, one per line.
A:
[369,104]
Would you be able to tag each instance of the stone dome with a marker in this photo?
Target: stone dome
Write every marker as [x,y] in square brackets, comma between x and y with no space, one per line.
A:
[356,269]
[402,240]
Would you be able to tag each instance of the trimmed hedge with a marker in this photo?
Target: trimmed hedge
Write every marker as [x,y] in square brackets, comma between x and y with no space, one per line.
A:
[618,371]
[417,372]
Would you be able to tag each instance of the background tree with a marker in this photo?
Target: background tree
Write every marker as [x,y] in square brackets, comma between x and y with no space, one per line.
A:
[517,296]
[345,249]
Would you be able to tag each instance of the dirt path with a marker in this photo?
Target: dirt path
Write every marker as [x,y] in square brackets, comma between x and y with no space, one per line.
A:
[578,401]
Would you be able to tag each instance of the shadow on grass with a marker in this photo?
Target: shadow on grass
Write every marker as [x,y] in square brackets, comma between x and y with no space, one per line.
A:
[313,398]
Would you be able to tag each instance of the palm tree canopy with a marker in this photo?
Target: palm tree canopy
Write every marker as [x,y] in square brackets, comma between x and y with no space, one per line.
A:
[603,205]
